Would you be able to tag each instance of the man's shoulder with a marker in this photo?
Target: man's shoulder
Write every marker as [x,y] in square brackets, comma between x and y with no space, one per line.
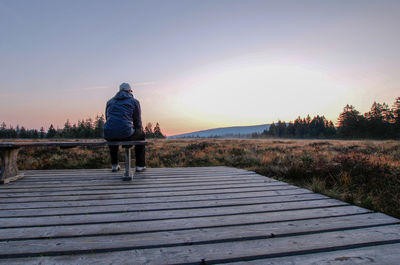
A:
[135,100]
[110,100]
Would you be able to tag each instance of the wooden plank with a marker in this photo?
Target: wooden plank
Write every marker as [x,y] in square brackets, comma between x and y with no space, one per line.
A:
[131,185]
[150,176]
[134,226]
[138,176]
[144,200]
[194,236]
[112,182]
[143,188]
[125,207]
[11,179]
[221,168]
[143,194]
[378,255]
[156,171]
[237,250]
[136,180]
[147,172]
[138,185]
[165,214]
[159,170]
[100,185]
[84,181]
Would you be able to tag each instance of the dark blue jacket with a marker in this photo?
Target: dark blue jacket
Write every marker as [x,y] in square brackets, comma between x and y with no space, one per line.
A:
[123,116]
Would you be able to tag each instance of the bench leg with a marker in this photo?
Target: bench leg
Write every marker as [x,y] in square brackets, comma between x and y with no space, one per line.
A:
[128,173]
[9,169]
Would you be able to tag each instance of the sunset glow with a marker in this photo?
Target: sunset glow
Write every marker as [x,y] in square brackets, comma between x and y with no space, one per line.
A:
[258,93]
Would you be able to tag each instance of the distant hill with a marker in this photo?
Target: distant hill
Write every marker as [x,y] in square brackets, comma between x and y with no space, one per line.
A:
[227,132]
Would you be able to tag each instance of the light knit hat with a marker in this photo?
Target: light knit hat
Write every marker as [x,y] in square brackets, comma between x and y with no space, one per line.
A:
[125,87]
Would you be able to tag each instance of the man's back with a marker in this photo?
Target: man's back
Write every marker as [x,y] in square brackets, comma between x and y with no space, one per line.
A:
[122,114]
[124,123]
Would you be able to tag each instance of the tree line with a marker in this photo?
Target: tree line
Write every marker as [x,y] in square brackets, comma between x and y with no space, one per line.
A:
[318,127]
[381,122]
[85,128]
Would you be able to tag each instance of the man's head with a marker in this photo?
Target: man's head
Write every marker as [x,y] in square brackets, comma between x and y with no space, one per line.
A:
[125,87]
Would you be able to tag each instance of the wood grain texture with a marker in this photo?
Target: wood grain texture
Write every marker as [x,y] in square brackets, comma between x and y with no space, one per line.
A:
[9,170]
[184,216]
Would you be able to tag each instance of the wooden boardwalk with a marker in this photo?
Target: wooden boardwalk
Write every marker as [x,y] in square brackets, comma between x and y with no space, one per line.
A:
[212,215]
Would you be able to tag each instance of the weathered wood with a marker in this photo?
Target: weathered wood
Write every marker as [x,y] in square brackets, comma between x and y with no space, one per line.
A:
[165,214]
[136,199]
[155,171]
[125,207]
[239,250]
[194,236]
[178,224]
[137,183]
[143,175]
[23,187]
[137,180]
[146,194]
[128,175]
[142,188]
[387,254]
[181,216]
[9,170]
[161,174]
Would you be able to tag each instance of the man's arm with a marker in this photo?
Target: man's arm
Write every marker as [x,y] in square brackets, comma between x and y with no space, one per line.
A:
[107,108]
[137,116]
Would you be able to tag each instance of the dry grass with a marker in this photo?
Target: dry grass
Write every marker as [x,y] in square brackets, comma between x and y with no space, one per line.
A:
[365,173]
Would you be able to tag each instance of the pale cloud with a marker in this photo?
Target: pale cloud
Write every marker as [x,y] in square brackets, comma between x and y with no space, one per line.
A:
[86,88]
[149,83]
[95,87]
[89,88]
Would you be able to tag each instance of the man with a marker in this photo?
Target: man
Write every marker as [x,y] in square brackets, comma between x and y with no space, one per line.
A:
[124,123]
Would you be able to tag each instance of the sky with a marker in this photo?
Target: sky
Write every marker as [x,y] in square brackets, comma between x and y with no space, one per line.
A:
[196,64]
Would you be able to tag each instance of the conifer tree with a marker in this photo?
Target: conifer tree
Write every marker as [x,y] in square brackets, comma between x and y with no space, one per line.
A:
[51,132]
[350,122]
[148,130]
[98,127]
[157,131]
[272,131]
[42,133]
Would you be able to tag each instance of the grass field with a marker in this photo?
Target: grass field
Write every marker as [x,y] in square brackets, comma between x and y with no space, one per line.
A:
[365,173]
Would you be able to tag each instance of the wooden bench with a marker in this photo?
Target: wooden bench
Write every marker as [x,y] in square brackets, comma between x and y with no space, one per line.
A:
[9,153]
